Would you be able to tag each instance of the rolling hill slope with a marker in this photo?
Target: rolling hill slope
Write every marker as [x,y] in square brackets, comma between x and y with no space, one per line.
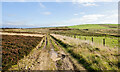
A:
[95,26]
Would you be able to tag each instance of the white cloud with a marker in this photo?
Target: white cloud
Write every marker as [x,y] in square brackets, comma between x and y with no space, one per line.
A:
[41,5]
[60,0]
[46,13]
[22,0]
[17,24]
[93,16]
[84,1]
[106,0]
[86,19]
[112,19]
[13,0]
[90,19]
[82,12]
[89,4]
[76,14]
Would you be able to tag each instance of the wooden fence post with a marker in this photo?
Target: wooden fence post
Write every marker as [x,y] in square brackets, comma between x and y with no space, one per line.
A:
[92,39]
[74,36]
[104,42]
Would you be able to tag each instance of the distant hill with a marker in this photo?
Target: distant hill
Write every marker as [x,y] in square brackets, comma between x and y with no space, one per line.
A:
[95,26]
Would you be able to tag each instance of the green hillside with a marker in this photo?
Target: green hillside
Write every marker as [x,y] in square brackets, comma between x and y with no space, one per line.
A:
[95,26]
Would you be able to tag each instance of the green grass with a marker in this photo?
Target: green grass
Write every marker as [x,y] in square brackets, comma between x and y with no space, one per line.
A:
[93,26]
[110,42]
[112,24]
[55,46]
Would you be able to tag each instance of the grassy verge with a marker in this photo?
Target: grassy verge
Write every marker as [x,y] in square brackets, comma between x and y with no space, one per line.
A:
[92,58]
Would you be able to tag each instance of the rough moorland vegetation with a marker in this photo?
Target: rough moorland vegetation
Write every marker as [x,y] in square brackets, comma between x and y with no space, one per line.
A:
[16,47]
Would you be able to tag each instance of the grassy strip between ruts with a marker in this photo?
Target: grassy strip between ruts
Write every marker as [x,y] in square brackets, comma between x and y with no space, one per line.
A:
[55,46]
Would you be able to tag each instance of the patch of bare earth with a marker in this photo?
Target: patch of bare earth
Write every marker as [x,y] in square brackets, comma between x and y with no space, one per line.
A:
[23,34]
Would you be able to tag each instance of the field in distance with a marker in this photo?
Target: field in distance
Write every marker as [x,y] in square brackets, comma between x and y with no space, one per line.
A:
[95,26]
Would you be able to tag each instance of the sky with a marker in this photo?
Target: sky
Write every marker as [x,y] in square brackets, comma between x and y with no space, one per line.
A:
[49,14]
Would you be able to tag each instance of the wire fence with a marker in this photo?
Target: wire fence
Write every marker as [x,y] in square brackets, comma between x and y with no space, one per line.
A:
[105,41]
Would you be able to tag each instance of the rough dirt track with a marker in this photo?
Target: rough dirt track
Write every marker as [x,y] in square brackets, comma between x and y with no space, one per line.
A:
[44,57]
